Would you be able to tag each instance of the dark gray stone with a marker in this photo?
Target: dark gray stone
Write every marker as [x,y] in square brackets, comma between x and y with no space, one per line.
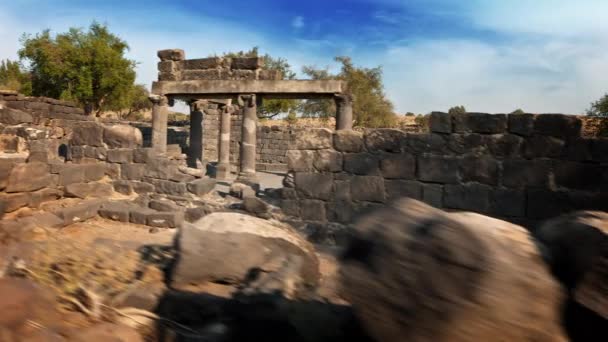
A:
[247,63]
[510,203]
[438,169]
[440,122]
[314,185]
[171,55]
[142,187]
[70,174]
[521,124]
[167,187]
[579,149]
[385,139]
[132,171]
[543,204]
[163,205]
[522,173]
[142,155]
[361,164]
[599,149]
[504,145]
[581,176]
[123,187]
[79,212]
[120,155]
[196,213]
[558,125]
[539,146]
[342,190]
[328,161]
[432,194]
[291,207]
[288,193]
[313,210]
[367,188]
[480,169]
[115,211]
[340,211]
[165,219]
[398,166]
[403,188]
[201,187]
[472,197]
[480,123]
[256,206]
[202,63]
[139,215]
[465,143]
[426,143]
[85,190]
[160,168]
[87,134]
[348,141]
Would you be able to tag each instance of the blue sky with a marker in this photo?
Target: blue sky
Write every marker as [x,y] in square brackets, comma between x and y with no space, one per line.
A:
[493,56]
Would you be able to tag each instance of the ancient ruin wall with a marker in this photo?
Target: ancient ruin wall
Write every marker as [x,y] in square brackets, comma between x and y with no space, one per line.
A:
[522,168]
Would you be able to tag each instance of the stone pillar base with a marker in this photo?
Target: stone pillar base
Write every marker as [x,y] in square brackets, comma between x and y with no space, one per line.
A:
[250,179]
[222,171]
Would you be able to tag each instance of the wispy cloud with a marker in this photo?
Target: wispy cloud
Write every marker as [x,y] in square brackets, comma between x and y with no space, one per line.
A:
[297,22]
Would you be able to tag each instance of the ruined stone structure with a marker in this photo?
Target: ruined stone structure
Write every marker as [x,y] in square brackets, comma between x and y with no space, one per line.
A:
[522,168]
[227,87]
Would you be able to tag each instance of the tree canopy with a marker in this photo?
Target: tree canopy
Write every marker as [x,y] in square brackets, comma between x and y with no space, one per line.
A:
[88,67]
[271,108]
[13,77]
[599,107]
[457,110]
[371,108]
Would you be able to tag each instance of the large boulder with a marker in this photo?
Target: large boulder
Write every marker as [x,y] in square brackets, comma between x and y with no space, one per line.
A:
[415,273]
[28,177]
[12,116]
[231,248]
[122,136]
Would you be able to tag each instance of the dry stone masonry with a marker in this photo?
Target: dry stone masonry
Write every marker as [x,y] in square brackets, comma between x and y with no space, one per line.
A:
[522,168]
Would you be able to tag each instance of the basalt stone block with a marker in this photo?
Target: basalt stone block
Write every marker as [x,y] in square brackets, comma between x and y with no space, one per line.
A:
[313,210]
[510,203]
[12,116]
[522,124]
[385,139]
[93,172]
[139,215]
[242,75]
[123,187]
[44,195]
[250,63]
[143,155]
[202,63]
[314,185]
[160,168]
[86,190]
[165,219]
[168,66]
[599,149]
[201,187]
[142,187]
[480,123]
[398,166]
[473,197]
[342,190]
[438,169]
[270,75]
[440,122]
[171,55]
[116,211]
[163,205]
[5,171]
[479,169]
[132,171]
[71,174]
[212,74]
[463,143]
[113,170]
[169,76]
[181,177]
[12,202]
[120,155]
[328,161]
[313,139]
[425,143]
[348,141]
[340,211]
[87,134]
[579,149]
[542,204]
[504,145]
[28,177]
[300,160]
[539,146]
[291,207]
[367,188]
[432,194]
[288,193]
[558,125]
[526,173]
[361,164]
[167,187]
[581,176]
[79,212]
[196,213]
[403,188]
[122,136]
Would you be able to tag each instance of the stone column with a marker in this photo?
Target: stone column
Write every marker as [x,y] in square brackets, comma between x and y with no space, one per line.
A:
[159,122]
[195,150]
[248,138]
[344,111]
[223,166]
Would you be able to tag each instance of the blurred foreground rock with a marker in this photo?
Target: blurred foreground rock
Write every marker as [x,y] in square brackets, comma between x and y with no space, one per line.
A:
[415,273]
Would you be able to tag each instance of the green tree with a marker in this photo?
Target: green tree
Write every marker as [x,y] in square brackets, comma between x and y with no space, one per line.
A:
[134,101]
[518,111]
[13,77]
[371,108]
[87,67]
[599,107]
[457,110]
[271,108]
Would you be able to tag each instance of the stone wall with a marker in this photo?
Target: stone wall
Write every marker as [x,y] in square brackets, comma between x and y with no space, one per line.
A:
[522,168]
[174,67]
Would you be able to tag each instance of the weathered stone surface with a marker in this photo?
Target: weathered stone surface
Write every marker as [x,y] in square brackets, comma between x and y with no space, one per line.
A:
[521,124]
[120,155]
[181,177]
[479,169]
[70,174]
[581,176]
[313,210]
[403,188]
[438,169]
[196,213]
[495,278]
[171,55]
[426,143]
[539,146]
[12,202]
[520,173]
[314,185]
[291,207]
[123,187]
[504,145]
[168,66]
[142,187]
[202,63]
[167,187]
[132,171]
[509,203]
[87,134]
[165,219]
[160,168]
[44,195]
[385,139]
[240,190]
[480,123]
[398,166]
[227,246]
[86,190]
[79,212]
[361,164]
[367,188]
[328,161]
[300,160]
[578,149]
[142,155]
[558,125]
[201,187]
[107,332]
[440,122]
[432,194]
[250,63]
[93,172]
[5,171]
[348,141]
[122,136]
[599,148]
[28,177]
[474,197]
[163,205]
[256,207]
[313,139]
[12,116]
[116,211]
[139,215]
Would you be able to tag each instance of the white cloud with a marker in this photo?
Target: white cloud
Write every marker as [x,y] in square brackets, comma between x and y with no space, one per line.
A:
[297,22]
